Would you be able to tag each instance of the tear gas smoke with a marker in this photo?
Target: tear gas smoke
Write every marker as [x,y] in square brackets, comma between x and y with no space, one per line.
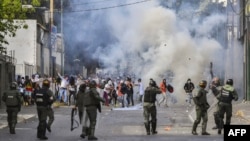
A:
[150,40]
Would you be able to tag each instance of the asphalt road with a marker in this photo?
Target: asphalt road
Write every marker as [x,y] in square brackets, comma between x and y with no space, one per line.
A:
[119,124]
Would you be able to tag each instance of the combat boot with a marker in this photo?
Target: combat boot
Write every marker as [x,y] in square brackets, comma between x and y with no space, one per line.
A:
[84,132]
[147,126]
[44,138]
[92,134]
[43,133]
[48,128]
[204,132]
[153,124]
[9,127]
[12,128]
[38,134]
[219,131]
[194,129]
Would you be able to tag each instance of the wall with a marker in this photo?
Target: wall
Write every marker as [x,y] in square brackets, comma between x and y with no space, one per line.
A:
[24,45]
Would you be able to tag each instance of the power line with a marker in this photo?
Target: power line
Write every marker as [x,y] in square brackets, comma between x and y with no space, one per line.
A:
[109,7]
[93,2]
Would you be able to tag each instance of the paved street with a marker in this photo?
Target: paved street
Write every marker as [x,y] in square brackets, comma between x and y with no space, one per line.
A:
[123,124]
[117,125]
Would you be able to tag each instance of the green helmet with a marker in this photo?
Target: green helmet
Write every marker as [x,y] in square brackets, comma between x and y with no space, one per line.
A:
[92,84]
[203,83]
[46,83]
[152,83]
[13,85]
[82,87]
[230,82]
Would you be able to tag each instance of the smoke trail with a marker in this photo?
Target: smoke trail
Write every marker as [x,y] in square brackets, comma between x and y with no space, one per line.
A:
[149,40]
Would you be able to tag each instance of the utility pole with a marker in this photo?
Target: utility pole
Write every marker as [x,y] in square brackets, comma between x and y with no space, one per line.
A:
[50,34]
[62,40]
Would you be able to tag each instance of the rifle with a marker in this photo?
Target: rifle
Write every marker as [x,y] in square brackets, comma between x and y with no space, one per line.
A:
[73,113]
[80,116]
[99,107]
[211,70]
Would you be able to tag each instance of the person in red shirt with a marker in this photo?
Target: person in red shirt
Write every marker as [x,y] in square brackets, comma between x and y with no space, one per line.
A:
[163,87]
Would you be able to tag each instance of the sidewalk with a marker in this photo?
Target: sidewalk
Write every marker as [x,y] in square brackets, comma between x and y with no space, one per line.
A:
[26,113]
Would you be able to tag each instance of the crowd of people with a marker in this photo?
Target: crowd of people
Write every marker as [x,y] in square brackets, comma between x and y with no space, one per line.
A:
[118,92]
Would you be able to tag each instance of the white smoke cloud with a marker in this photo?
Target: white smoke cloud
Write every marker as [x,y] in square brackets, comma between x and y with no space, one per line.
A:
[151,40]
[156,36]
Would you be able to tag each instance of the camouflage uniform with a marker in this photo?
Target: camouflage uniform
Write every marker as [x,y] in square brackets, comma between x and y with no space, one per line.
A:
[215,88]
[149,108]
[228,93]
[84,120]
[51,114]
[201,107]
[12,99]
[91,102]
[43,99]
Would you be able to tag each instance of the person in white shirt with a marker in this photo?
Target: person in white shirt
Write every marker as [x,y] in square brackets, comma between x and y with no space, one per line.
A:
[141,89]
[63,96]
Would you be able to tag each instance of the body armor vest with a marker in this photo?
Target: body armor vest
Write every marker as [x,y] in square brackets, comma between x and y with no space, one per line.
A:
[149,96]
[42,97]
[89,98]
[12,99]
[226,96]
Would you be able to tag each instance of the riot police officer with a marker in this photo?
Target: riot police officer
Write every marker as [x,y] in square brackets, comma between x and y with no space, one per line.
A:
[201,107]
[92,101]
[43,99]
[227,94]
[84,120]
[215,87]
[51,115]
[149,108]
[12,99]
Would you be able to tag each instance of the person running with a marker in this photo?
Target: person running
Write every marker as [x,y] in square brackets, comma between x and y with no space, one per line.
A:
[163,87]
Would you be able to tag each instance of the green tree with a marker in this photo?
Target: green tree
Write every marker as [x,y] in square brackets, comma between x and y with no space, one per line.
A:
[12,17]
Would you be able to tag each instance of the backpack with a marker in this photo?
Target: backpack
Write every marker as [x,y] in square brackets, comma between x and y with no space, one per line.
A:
[123,88]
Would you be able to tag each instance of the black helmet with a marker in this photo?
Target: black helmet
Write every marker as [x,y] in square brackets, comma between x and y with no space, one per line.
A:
[230,82]
[152,83]
[13,85]
[203,83]
[92,84]
[82,87]
[46,83]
